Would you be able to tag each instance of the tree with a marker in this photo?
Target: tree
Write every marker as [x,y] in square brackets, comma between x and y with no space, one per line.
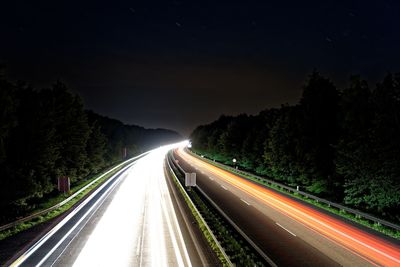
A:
[368,151]
[353,152]
[232,137]
[96,149]
[8,120]
[319,104]
[344,146]
[46,133]
[282,154]
[72,131]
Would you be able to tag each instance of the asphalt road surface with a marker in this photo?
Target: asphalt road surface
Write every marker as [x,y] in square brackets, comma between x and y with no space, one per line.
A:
[290,233]
[129,221]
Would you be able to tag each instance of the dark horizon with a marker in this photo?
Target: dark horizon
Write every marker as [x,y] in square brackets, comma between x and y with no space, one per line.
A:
[176,65]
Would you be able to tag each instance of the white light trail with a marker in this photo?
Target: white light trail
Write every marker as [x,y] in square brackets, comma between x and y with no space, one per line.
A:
[139,227]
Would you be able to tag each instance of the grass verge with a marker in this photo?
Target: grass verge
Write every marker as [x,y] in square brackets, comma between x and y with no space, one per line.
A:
[200,223]
[53,201]
[240,252]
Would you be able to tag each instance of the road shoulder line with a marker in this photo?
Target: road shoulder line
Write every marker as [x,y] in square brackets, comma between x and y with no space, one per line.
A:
[290,232]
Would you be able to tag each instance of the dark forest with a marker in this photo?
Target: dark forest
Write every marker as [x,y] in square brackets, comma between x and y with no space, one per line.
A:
[343,145]
[47,133]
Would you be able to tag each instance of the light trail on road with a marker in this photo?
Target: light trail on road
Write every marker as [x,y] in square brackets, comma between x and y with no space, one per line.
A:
[139,227]
[368,246]
[128,221]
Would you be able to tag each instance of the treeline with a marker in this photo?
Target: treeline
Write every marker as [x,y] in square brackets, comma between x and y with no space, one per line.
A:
[45,134]
[343,145]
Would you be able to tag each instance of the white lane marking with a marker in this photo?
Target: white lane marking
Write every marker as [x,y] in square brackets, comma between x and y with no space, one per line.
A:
[167,205]
[95,207]
[177,251]
[179,232]
[318,221]
[224,187]
[211,178]
[139,242]
[139,250]
[285,229]
[245,201]
[83,226]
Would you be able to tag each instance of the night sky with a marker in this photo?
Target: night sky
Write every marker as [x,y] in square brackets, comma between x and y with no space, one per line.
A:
[178,64]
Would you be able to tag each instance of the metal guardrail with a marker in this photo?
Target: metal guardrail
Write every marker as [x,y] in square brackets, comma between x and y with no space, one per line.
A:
[196,210]
[62,203]
[176,164]
[234,225]
[357,213]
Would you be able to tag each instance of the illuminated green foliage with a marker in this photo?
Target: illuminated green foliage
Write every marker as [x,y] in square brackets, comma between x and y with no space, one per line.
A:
[45,134]
[341,145]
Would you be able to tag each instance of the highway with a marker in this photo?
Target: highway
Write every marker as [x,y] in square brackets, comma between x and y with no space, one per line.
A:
[129,221]
[289,232]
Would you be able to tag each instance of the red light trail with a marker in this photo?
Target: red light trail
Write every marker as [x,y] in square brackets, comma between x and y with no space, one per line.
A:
[368,246]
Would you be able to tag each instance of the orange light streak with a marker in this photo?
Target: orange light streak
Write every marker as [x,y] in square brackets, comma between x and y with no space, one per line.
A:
[362,243]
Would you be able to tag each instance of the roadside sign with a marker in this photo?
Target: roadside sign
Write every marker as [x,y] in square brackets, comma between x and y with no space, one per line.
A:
[63,184]
[190,179]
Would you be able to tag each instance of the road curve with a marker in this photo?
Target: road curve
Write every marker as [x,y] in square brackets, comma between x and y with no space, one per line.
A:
[290,233]
[129,221]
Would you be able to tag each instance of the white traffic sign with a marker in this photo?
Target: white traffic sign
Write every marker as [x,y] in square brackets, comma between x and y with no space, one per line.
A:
[190,179]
